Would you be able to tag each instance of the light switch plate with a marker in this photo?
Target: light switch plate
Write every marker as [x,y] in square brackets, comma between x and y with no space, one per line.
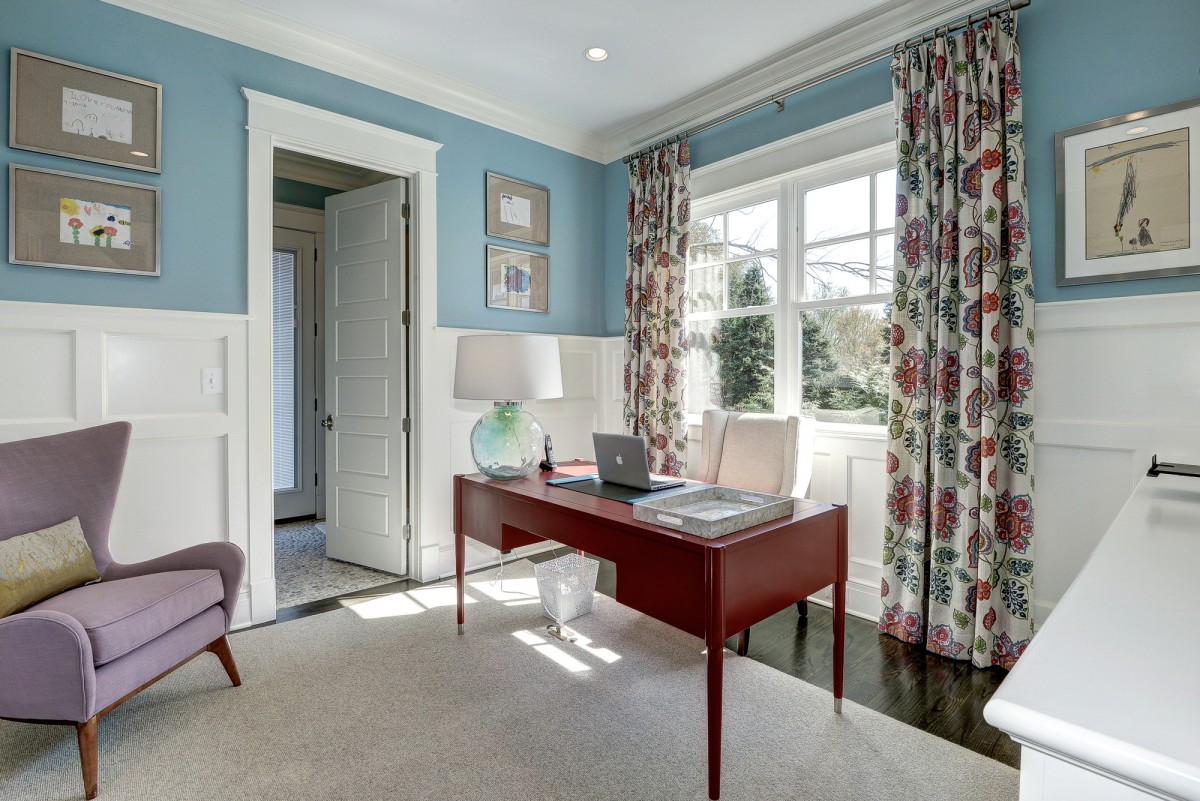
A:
[212,380]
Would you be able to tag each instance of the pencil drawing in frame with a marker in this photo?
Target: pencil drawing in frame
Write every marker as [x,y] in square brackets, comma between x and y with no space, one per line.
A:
[517,210]
[67,109]
[78,222]
[517,280]
[1129,196]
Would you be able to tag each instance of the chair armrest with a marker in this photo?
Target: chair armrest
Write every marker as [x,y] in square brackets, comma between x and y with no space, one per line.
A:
[223,556]
[46,670]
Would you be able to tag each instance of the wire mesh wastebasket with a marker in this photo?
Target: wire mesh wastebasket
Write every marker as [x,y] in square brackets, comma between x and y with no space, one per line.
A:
[566,585]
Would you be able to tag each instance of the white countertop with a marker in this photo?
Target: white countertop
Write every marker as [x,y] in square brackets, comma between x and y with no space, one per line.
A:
[1112,679]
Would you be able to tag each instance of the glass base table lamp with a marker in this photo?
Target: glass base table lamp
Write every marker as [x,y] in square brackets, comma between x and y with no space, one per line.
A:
[507,369]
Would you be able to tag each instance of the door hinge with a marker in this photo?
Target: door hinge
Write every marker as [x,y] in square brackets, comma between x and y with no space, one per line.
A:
[315,405]
[406,531]
[405,211]
[405,317]
[316,479]
[314,254]
[406,425]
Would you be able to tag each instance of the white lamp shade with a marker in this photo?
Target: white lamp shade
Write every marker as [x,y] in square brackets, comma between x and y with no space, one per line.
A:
[507,367]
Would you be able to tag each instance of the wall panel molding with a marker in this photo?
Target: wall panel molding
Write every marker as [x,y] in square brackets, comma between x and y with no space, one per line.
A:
[1117,383]
[185,475]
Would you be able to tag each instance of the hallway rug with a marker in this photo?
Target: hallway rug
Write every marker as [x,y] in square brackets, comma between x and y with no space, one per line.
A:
[383,700]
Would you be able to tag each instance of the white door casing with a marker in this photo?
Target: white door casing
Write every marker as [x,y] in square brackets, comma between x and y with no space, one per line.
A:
[274,122]
[365,388]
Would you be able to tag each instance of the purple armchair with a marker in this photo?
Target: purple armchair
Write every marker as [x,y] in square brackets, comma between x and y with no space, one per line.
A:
[75,657]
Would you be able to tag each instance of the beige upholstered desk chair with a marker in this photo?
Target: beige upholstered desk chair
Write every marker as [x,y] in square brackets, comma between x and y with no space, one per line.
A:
[758,452]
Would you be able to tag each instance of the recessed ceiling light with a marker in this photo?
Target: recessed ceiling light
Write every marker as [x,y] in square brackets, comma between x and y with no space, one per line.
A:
[139,153]
[595,54]
[1138,129]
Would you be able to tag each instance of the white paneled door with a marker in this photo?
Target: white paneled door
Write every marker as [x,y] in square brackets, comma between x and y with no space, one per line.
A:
[366,395]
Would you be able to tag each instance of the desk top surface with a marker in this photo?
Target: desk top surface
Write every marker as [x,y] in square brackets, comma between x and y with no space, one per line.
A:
[1112,677]
[534,487]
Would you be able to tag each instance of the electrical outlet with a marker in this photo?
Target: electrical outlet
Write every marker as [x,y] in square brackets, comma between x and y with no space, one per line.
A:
[212,381]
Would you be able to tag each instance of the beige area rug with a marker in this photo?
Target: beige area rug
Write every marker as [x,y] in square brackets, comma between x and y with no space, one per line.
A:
[385,701]
[303,573]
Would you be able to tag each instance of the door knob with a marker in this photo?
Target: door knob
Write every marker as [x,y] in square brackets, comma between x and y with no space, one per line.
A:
[327,423]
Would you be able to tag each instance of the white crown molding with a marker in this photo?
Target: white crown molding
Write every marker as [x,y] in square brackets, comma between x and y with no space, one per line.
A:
[843,44]
[248,25]
[244,24]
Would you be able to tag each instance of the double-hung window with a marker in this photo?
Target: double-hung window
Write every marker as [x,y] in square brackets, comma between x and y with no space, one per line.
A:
[790,281]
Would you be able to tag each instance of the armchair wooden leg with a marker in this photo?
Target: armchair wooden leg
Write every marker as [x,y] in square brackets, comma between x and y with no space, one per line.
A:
[802,607]
[220,647]
[743,643]
[89,756]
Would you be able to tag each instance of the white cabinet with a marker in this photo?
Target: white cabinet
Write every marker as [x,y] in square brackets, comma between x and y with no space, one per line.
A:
[1106,699]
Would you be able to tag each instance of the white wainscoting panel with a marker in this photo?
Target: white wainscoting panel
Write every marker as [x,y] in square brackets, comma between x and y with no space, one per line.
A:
[848,468]
[131,358]
[185,480]
[1118,380]
[173,495]
[48,354]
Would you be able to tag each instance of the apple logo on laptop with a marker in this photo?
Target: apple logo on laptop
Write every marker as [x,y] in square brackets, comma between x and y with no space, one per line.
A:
[619,459]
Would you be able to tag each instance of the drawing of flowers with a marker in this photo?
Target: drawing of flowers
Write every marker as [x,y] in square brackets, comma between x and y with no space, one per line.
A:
[97,232]
[75,224]
[109,233]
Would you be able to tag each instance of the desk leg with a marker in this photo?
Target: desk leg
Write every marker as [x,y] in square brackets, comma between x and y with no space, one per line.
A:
[839,610]
[460,565]
[460,553]
[715,629]
[839,642]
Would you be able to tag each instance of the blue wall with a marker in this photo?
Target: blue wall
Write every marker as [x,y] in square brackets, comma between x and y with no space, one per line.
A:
[1082,61]
[204,173]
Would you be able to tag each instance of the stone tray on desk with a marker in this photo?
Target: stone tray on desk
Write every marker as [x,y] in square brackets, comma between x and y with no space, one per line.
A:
[713,511]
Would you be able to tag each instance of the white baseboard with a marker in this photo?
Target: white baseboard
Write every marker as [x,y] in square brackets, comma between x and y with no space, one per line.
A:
[241,616]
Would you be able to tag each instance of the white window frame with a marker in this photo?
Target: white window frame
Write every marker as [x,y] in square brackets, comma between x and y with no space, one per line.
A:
[742,197]
[789,189]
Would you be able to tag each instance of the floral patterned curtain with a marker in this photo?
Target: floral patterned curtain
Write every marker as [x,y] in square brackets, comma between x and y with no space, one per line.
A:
[959,517]
[659,215]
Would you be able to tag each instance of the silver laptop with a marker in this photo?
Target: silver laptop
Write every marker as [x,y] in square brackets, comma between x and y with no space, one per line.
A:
[621,459]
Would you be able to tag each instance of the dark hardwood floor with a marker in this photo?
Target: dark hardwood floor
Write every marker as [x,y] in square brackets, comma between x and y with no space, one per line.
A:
[940,696]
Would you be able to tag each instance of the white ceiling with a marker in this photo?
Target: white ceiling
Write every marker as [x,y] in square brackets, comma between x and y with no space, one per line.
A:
[531,51]
[519,65]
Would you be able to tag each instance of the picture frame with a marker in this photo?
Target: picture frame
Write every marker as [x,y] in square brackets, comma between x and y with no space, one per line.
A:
[1128,192]
[517,280]
[78,222]
[67,109]
[517,210]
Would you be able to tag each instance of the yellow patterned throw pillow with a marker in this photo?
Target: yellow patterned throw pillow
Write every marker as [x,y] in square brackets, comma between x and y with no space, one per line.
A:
[41,564]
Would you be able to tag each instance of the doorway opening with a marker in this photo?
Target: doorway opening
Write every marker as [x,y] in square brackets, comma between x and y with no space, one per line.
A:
[303,419]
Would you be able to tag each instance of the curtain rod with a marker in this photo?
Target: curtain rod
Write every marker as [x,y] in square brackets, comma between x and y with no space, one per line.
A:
[778,97]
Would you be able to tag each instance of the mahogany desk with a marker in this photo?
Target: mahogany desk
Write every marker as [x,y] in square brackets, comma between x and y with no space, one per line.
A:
[708,588]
